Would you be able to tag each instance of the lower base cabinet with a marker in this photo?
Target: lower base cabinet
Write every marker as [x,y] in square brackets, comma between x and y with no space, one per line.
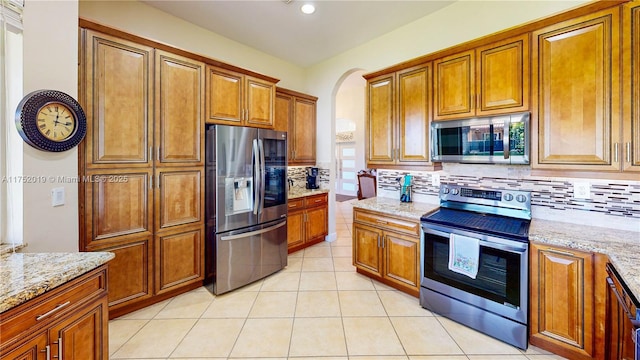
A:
[307,221]
[568,300]
[387,248]
[70,322]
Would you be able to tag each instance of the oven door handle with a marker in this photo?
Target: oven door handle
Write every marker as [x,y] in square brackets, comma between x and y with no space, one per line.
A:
[489,244]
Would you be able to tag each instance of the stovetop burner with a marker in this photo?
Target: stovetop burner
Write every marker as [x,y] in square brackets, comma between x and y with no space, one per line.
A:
[514,228]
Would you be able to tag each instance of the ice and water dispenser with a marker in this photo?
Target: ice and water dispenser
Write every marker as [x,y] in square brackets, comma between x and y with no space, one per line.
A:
[239,195]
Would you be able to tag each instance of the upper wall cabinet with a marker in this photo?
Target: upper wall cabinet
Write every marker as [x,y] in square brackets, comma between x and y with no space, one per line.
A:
[397,132]
[631,86]
[576,107]
[238,99]
[490,79]
[296,113]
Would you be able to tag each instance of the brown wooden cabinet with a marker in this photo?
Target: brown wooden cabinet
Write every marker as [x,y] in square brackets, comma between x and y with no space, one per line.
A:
[398,108]
[234,98]
[296,113]
[630,145]
[567,301]
[70,322]
[145,161]
[491,79]
[387,248]
[576,107]
[307,221]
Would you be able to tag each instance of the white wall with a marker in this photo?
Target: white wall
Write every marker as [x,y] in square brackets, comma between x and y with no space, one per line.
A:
[50,62]
[143,20]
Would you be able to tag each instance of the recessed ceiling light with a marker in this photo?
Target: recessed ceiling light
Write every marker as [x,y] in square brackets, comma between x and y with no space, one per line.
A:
[308,9]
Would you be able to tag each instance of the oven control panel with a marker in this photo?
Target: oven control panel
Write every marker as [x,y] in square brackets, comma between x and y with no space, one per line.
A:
[514,199]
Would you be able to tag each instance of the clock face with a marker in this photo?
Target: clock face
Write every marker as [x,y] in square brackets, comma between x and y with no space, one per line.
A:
[51,120]
[56,122]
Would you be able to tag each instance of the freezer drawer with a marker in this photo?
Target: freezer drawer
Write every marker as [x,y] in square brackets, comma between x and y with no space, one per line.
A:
[246,255]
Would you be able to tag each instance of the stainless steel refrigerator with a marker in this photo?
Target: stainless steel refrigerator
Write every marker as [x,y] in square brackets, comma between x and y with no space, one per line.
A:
[246,205]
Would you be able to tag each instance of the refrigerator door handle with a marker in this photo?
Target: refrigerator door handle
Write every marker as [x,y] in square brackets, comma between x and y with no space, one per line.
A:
[252,233]
[263,174]
[256,177]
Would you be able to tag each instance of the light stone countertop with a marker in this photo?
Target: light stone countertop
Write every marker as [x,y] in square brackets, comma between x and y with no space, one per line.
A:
[622,247]
[27,275]
[296,192]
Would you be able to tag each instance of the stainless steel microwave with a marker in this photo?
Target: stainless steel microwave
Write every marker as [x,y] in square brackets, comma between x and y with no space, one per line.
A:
[502,139]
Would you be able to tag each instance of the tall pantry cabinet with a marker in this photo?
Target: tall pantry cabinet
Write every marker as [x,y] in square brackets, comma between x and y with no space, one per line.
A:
[142,161]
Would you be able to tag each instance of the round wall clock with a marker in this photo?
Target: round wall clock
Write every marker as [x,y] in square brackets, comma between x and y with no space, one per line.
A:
[51,120]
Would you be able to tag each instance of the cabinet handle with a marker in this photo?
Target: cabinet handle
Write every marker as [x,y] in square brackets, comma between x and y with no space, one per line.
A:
[47,349]
[382,222]
[629,152]
[158,153]
[560,252]
[158,181]
[59,342]
[318,200]
[151,182]
[57,308]
[615,152]
[150,153]
[378,240]
[382,242]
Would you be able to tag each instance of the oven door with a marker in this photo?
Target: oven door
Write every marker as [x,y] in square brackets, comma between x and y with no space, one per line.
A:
[502,280]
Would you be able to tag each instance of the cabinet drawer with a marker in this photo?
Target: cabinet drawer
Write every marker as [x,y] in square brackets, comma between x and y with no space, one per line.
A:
[387,222]
[48,306]
[315,200]
[295,204]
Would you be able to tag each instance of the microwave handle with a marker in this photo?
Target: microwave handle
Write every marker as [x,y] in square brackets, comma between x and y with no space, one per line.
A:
[505,139]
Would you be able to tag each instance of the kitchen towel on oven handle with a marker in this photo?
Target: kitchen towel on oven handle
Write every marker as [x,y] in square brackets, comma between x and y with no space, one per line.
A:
[464,255]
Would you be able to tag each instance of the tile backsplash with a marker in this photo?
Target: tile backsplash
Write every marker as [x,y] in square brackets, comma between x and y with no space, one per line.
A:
[299,176]
[612,203]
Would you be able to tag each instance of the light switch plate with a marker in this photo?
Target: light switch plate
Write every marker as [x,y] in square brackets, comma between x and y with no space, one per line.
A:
[57,196]
[581,190]
[435,179]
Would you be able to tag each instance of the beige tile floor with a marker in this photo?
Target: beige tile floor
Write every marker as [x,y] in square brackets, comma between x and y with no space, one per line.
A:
[318,307]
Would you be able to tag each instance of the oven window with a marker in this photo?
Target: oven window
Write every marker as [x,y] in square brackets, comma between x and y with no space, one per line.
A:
[498,276]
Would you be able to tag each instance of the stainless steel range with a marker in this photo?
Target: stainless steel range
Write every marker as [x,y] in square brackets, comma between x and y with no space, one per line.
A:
[475,260]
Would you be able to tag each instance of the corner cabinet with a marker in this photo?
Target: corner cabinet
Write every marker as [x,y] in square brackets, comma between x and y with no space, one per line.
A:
[234,98]
[69,322]
[567,301]
[307,221]
[576,108]
[399,113]
[630,146]
[491,79]
[144,165]
[296,113]
[387,248]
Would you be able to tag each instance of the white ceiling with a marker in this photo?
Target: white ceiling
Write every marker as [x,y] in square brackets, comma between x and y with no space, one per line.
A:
[280,29]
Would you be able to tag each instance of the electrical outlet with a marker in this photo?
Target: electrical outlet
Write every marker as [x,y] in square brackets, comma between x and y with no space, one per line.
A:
[57,196]
[435,179]
[581,190]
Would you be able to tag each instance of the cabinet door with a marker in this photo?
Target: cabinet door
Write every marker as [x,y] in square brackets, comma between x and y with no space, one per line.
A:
[562,301]
[295,228]
[381,147]
[179,197]
[304,131]
[178,258]
[454,86]
[179,110]
[225,103]
[502,77]
[284,117]
[119,203]
[260,101]
[316,223]
[414,100]
[577,107]
[631,89]
[118,101]
[402,254]
[34,349]
[367,252]
[82,336]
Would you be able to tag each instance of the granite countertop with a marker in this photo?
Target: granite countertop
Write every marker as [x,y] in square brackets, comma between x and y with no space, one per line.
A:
[616,244]
[27,275]
[410,210]
[296,192]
